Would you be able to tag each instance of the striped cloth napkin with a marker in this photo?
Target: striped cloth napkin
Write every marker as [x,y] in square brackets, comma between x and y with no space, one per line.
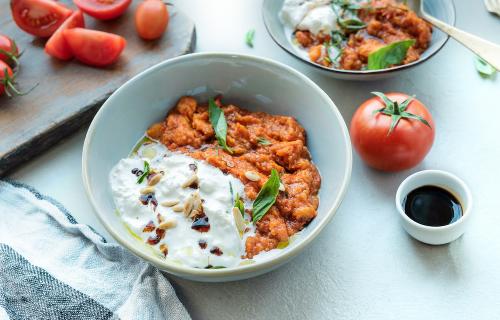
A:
[51,267]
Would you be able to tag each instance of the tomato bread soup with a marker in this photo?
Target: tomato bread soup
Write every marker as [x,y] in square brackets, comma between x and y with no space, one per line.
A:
[356,35]
[209,200]
[260,142]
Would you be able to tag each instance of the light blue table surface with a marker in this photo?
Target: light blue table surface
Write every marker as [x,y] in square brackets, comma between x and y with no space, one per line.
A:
[363,265]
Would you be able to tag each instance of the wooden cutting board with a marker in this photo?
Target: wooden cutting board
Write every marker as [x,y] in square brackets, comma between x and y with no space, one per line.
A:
[69,93]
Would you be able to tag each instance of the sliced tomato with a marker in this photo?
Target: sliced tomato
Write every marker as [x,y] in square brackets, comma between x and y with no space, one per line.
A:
[57,46]
[95,48]
[103,9]
[40,18]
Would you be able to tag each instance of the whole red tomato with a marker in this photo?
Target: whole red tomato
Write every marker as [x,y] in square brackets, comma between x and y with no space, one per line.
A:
[392,132]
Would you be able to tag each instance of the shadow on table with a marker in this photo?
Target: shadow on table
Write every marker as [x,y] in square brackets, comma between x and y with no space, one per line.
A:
[438,260]
[273,294]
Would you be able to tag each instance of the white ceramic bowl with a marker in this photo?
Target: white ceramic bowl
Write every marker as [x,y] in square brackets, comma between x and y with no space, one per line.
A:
[447,181]
[443,10]
[251,82]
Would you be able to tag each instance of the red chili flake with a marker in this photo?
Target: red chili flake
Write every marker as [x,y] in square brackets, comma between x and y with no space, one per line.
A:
[217,251]
[149,198]
[152,240]
[202,244]
[160,233]
[149,227]
[159,217]
[164,249]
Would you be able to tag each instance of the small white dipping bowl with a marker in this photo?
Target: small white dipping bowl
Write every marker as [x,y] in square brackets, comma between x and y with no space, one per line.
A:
[447,181]
[257,84]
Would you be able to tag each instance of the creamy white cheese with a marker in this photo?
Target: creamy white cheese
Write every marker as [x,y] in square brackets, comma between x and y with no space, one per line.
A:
[313,15]
[214,188]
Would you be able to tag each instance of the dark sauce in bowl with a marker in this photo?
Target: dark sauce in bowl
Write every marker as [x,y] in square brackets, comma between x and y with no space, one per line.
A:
[432,206]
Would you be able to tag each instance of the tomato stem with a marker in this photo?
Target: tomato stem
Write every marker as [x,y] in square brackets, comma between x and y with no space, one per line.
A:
[396,111]
[9,84]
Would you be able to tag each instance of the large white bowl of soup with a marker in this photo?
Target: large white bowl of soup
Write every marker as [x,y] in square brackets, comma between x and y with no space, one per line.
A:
[217,167]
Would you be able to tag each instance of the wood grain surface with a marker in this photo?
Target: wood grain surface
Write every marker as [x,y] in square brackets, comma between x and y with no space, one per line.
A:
[69,93]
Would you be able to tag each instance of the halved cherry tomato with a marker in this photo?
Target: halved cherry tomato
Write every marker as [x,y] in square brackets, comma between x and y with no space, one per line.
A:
[392,132]
[9,52]
[95,48]
[39,17]
[57,46]
[151,19]
[103,9]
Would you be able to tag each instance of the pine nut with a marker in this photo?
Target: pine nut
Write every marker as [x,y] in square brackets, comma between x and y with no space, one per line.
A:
[252,176]
[169,203]
[168,224]
[238,220]
[147,190]
[155,179]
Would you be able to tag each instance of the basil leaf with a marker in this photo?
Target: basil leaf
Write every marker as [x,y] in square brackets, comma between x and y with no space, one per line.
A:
[263,141]
[351,24]
[337,38]
[391,54]
[484,68]
[266,197]
[219,124]
[238,203]
[145,173]
[249,37]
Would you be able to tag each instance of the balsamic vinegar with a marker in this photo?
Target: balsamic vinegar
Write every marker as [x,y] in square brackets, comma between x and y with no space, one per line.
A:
[432,206]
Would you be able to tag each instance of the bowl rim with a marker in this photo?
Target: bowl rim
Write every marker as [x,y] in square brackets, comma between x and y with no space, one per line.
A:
[214,274]
[359,72]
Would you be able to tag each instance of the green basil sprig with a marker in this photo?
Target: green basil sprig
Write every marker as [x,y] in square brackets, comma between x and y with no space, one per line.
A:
[219,124]
[145,172]
[391,54]
[249,36]
[263,141]
[484,68]
[266,197]
[351,24]
[238,203]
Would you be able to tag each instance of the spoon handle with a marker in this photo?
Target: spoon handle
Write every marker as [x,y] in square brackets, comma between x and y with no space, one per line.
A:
[487,50]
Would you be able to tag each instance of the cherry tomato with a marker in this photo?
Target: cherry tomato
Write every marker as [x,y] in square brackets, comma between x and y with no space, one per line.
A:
[9,52]
[57,46]
[39,17]
[95,48]
[151,19]
[392,132]
[103,9]
[7,81]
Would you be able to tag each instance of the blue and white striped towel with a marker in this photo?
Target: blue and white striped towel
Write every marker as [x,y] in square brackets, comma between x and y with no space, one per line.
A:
[51,267]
